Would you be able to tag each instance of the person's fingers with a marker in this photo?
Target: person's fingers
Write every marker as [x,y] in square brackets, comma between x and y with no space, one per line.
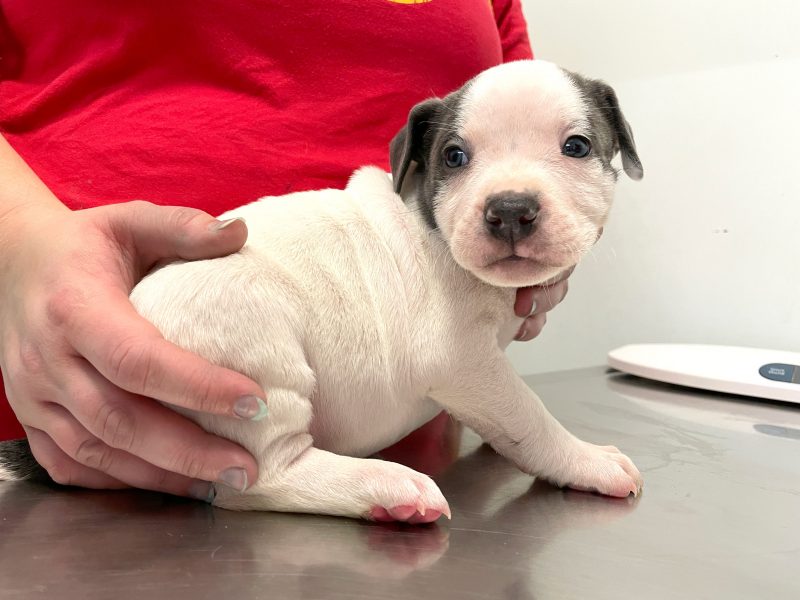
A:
[537,301]
[523,305]
[542,298]
[81,446]
[154,433]
[63,469]
[531,327]
[546,297]
[130,352]
[168,232]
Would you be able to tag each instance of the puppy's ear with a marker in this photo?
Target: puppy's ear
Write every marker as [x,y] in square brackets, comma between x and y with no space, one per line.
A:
[411,143]
[604,98]
[622,129]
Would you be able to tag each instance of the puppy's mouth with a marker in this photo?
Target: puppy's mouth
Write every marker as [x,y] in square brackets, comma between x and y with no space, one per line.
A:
[516,270]
[517,259]
[514,261]
[514,258]
[517,262]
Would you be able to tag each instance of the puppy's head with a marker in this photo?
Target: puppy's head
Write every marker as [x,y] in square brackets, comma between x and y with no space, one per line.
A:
[514,169]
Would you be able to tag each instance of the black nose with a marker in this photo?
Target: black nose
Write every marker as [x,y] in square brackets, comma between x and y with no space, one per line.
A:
[511,216]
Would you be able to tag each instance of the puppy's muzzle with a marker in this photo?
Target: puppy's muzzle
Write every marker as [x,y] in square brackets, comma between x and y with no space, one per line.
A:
[511,216]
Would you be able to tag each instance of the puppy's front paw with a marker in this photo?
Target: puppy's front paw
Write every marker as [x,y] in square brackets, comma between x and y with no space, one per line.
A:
[402,494]
[602,469]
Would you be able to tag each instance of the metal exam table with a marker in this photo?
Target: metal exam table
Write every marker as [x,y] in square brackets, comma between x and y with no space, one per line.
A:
[719,518]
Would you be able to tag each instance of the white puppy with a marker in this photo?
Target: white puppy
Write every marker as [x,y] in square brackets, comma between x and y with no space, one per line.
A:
[366,311]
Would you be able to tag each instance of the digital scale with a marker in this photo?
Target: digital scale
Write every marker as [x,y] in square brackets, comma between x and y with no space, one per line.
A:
[770,374]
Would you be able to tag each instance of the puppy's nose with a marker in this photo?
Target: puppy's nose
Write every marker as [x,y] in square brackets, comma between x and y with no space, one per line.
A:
[511,216]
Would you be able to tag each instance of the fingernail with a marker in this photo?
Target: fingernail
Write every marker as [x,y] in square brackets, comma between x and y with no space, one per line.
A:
[521,333]
[235,478]
[202,490]
[218,225]
[533,308]
[250,407]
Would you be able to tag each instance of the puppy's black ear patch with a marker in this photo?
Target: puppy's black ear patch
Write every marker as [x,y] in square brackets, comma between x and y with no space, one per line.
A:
[410,143]
[17,463]
[606,116]
[606,99]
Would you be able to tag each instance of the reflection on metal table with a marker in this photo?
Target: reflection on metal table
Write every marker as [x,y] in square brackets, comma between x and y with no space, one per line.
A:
[719,518]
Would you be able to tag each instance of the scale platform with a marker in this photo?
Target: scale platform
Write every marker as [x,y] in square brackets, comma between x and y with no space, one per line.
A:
[756,372]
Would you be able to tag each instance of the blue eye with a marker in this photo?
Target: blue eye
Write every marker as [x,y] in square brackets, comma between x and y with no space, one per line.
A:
[577,146]
[455,157]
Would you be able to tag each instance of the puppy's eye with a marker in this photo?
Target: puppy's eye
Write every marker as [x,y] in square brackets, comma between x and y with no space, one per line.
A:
[455,157]
[577,146]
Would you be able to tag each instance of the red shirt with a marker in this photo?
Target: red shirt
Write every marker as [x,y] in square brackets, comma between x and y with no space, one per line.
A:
[213,104]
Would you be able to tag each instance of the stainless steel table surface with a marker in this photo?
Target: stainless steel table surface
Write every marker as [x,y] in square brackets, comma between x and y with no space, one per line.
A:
[719,518]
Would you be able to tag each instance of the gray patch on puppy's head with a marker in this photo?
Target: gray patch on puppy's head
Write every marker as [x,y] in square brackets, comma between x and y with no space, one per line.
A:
[416,151]
[611,131]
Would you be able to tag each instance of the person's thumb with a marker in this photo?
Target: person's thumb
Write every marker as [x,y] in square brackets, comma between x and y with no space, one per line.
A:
[156,233]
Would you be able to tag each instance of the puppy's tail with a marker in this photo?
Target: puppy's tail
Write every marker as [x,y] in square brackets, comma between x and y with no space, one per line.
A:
[17,463]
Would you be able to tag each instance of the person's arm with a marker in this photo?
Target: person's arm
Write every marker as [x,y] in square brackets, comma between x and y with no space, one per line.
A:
[513,30]
[83,370]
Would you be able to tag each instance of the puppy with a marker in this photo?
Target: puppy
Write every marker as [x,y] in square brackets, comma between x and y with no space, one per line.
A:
[366,311]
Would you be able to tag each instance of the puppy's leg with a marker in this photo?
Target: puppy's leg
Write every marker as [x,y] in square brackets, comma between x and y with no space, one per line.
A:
[492,399]
[294,476]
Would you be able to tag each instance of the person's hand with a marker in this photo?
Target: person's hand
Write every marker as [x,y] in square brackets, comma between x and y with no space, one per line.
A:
[82,368]
[535,302]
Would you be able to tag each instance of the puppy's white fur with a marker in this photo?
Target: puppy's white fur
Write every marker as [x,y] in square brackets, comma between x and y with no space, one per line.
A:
[363,323]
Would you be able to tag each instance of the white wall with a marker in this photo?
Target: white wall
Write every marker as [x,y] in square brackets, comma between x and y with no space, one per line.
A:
[707,247]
